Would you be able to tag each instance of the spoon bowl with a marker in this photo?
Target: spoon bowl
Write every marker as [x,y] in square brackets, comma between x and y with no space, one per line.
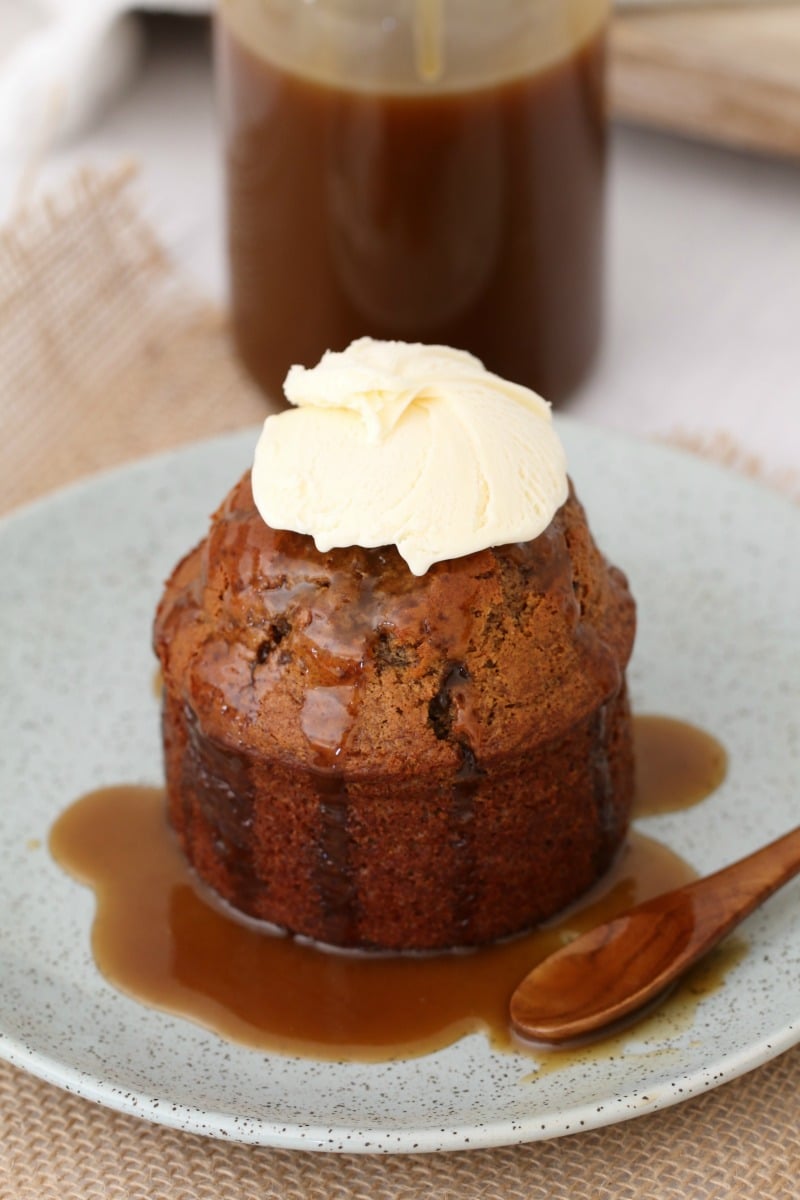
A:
[621,966]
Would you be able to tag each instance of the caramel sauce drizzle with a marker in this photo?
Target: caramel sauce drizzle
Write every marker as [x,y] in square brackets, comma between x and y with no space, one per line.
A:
[162,938]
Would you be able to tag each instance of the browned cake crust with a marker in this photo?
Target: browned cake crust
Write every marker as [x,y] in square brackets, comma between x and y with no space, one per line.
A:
[374,759]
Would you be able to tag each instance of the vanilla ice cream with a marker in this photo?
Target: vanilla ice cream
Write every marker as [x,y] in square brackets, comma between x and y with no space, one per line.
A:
[389,443]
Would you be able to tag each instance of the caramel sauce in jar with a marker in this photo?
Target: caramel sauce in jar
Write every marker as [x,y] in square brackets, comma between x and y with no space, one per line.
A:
[161,937]
[445,187]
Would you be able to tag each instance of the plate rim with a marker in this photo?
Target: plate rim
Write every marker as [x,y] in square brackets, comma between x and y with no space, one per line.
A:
[317,1137]
[296,1135]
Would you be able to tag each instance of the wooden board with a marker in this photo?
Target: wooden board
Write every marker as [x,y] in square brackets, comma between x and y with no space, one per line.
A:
[725,73]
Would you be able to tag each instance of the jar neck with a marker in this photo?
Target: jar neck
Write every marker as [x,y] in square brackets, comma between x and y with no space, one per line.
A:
[414,45]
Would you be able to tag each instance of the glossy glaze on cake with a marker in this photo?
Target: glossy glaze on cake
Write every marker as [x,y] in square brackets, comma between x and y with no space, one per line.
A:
[371,758]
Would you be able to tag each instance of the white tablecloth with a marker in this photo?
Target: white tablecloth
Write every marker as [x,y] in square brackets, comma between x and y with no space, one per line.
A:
[703,313]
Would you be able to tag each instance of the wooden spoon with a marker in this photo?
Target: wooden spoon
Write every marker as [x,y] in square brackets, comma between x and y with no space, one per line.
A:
[618,967]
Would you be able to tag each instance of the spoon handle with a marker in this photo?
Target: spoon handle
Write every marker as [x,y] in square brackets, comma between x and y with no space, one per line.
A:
[720,901]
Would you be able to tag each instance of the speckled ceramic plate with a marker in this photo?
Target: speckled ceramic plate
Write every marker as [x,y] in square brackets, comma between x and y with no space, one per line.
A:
[713,562]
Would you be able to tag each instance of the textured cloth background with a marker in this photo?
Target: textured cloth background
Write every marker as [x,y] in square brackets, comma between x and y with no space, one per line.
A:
[104,355]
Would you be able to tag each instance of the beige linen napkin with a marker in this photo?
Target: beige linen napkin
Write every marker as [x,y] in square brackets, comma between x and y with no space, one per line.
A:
[105,355]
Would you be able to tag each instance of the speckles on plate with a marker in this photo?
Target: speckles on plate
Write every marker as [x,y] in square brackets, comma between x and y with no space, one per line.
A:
[709,558]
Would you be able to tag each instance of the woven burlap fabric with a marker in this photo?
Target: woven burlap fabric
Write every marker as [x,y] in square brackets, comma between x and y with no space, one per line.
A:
[105,355]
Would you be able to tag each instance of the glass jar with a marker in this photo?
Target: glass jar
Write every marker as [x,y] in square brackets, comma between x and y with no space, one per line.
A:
[426,170]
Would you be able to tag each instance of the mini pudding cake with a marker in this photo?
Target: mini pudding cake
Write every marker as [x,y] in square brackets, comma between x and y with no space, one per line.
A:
[395,712]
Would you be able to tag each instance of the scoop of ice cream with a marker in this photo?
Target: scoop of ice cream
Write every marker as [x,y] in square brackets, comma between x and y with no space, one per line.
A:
[420,447]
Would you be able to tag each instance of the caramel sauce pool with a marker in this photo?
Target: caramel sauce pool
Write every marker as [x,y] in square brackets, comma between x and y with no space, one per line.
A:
[677,765]
[161,938]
